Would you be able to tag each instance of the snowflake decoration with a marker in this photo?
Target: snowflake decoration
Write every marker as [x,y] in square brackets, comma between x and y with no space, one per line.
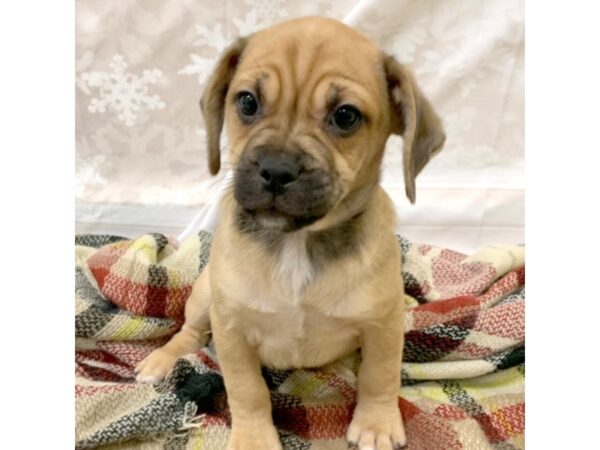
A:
[200,66]
[249,24]
[262,13]
[267,10]
[123,92]
[87,173]
[207,37]
[211,38]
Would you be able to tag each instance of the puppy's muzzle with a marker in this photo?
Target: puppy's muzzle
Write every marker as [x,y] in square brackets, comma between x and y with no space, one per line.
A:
[282,188]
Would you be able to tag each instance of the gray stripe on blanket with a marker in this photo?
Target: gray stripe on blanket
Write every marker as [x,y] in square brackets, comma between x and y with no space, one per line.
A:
[162,415]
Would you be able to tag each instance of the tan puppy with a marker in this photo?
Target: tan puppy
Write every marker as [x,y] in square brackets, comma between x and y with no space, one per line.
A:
[305,267]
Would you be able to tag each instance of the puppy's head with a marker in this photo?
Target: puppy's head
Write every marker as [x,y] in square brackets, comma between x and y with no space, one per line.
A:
[309,105]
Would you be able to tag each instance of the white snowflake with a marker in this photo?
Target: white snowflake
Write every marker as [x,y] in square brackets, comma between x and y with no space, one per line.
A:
[87,173]
[200,66]
[123,92]
[214,38]
[262,13]
[267,10]
[211,38]
[249,25]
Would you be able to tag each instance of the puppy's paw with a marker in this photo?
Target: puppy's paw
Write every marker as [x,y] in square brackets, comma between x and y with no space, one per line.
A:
[155,367]
[260,437]
[376,427]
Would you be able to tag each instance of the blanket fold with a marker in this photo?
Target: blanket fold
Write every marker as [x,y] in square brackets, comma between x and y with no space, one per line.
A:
[463,369]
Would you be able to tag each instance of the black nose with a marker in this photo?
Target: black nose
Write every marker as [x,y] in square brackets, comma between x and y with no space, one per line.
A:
[278,171]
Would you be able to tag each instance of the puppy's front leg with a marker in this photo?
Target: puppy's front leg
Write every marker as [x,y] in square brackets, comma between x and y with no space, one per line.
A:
[377,423]
[247,393]
[190,339]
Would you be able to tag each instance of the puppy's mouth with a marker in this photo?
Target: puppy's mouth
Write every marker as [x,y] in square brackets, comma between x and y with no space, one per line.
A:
[272,219]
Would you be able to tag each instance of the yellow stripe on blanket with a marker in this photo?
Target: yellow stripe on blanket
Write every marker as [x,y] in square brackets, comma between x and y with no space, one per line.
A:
[302,383]
[129,329]
[508,381]
[424,390]
[195,439]
[174,279]
[147,246]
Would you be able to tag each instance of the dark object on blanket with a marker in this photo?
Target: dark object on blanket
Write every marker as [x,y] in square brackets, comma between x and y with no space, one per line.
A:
[205,390]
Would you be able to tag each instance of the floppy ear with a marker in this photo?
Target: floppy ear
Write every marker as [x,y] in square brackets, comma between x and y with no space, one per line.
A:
[413,118]
[212,102]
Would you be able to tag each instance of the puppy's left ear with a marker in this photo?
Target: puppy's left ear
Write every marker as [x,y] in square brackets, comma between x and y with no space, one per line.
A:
[212,102]
[414,119]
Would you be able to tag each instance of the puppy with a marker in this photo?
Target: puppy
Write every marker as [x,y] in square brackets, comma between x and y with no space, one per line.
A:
[305,267]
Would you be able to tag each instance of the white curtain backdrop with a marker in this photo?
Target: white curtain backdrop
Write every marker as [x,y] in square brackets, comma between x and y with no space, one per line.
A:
[141,66]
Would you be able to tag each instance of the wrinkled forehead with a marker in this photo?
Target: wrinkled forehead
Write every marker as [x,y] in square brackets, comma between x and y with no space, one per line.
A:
[326,57]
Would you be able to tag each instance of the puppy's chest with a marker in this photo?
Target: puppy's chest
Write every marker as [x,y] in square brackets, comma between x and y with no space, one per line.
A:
[301,319]
[293,270]
[291,282]
[299,336]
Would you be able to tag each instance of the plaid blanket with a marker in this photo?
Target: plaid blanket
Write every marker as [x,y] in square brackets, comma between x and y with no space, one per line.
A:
[463,371]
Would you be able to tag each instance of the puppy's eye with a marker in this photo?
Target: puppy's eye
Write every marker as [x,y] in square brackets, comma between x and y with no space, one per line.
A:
[346,117]
[247,104]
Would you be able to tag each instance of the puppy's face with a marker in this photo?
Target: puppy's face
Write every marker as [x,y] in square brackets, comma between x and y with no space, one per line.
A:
[309,105]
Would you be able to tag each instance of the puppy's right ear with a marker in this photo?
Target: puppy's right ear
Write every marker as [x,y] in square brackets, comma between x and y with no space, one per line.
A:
[414,119]
[212,102]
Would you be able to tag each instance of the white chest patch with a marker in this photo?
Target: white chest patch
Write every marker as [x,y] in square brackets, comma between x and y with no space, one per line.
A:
[294,268]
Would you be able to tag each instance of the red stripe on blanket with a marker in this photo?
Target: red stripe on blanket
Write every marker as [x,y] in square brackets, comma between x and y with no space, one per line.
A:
[83,391]
[445,306]
[156,301]
[176,299]
[450,412]
[101,262]
[504,423]
[424,319]
[504,286]
[511,420]
[328,421]
[214,420]
[503,320]
[452,277]
[492,431]
[408,409]
[429,432]
[470,350]
[208,361]
[132,352]
[146,300]
[99,374]
[100,274]
[101,356]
